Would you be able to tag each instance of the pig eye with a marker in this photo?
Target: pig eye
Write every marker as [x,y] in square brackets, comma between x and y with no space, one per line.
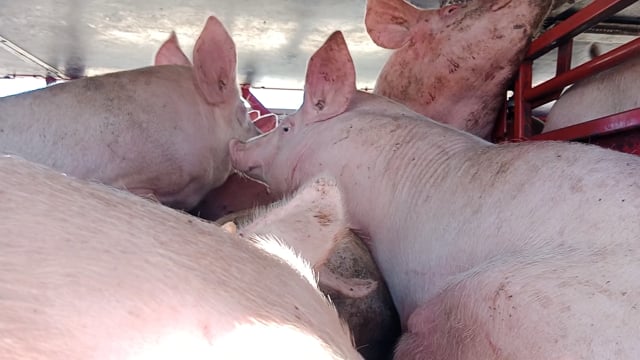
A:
[285,128]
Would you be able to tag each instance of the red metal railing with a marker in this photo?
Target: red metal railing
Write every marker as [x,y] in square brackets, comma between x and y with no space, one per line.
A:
[561,36]
[252,100]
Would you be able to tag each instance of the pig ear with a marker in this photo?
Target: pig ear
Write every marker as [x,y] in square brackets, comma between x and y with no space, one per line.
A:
[214,63]
[389,22]
[330,82]
[170,53]
[330,282]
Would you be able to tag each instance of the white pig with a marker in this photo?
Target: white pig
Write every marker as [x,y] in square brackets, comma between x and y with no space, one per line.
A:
[91,272]
[453,64]
[159,131]
[513,251]
[612,91]
[313,223]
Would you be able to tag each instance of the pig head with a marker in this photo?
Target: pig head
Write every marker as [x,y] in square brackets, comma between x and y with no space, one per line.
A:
[453,64]
[237,193]
[313,223]
[610,92]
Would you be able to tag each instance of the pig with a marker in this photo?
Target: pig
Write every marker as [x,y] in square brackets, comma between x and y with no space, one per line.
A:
[93,272]
[159,131]
[512,251]
[453,64]
[610,92]
[236,193]
[312,223]
[253,115]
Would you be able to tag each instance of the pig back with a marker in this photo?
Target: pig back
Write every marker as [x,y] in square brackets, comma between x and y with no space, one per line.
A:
[92,272]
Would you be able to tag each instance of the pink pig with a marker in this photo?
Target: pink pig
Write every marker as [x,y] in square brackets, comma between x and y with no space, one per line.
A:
[159,131]
[612,91]
[92,272]
[453,64]
[514,251]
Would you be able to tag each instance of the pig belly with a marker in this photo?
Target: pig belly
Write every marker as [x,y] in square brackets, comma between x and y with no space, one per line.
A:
[578,306]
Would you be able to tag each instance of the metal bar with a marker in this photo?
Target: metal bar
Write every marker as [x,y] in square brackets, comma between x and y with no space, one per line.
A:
[522,109]
[563,65]
[252,100]
[590,15]
[28,57]
[590,68]
[623,121]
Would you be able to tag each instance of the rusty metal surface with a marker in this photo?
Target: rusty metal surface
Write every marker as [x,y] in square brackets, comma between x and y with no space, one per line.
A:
[274,39]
